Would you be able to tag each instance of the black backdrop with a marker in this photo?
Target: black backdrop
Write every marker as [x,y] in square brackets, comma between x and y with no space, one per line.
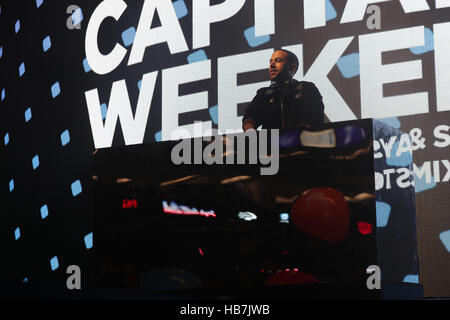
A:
[62,233]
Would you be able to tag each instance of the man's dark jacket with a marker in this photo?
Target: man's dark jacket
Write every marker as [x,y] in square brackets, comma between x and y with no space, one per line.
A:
[300,103]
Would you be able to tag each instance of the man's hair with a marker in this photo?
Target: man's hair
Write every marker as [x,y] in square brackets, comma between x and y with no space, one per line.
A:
[292,58]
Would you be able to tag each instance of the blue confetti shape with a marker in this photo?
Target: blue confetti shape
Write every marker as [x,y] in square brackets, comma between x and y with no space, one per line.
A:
[21,69]
[86,65]
[330,11]
[180,8]
[88,240]
[349,65]
[25,280]
[54,263]
[39,3]
[445,239]
[214,114]
[65,137]
[401,161]
[11,185]
[6,139]
[3,94]
[77,17]
[104,108]
[56,89]
[158,136]
[76,188]
[254,41]
[128,36]
[139,84]
[383,213]
[44,211]
[46,43]
[1,52]
[17,233]
[393,122]
[17,26]
[28,115]
[411,278]
[197,56]
[35,162]
[429,44]
[422,185]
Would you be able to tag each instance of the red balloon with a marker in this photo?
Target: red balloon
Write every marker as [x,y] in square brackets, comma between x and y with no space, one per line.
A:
[323,214]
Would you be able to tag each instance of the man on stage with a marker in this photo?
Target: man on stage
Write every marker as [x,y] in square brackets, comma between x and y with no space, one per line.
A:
[287,103]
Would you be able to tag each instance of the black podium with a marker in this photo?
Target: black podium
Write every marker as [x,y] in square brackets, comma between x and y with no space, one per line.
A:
[336,221]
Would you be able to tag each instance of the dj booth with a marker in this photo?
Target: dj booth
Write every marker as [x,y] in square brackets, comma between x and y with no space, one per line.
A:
[334,217]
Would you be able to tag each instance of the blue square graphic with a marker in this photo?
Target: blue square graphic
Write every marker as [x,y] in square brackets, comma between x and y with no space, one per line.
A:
[35,162]
[76,188]
[104,108]
[128,36]
[3,94]
[17,233]
[56,89]
[411,278]
[421,184]
[197,56]
[180,8]
[349,65]
[254,41]
[445,239]
[46,43]
[44,211]
[39,3]
[6,139]
[330,11]
[393,122]
[11,185]
[21,69]
[88,241]
[214,114]
[86,65]
[65,137]
[17,26]
[54,263]
[158,136]
[28,115]
[428,46]
[77,17]
[383,212]
[399,161]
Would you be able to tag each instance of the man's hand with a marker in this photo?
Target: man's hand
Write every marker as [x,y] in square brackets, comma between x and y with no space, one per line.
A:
[248,125]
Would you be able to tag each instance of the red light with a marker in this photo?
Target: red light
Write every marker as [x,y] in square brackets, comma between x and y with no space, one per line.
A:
[129,203]
[173,208]
[365,228]
[289,277]
[200,251]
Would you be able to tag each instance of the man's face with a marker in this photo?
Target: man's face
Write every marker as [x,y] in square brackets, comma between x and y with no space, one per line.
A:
[280,68]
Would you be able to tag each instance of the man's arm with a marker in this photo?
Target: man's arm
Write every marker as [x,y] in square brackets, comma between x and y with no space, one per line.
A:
[252,117]
[314,105]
